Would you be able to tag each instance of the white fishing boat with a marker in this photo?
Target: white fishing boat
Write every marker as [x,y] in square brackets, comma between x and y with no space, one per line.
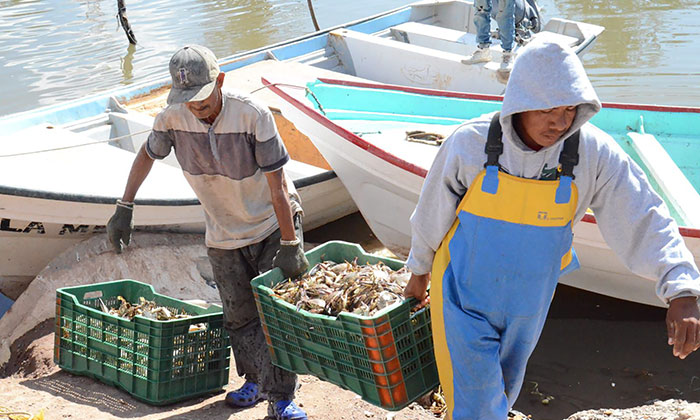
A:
[362,128]
[61,188]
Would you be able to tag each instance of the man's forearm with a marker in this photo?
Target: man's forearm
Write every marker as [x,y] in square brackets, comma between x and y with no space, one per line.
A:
[283,211]
[139,170]
[280,202]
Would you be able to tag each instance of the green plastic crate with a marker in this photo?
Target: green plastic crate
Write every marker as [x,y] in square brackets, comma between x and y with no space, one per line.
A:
[387,359]
[158,362]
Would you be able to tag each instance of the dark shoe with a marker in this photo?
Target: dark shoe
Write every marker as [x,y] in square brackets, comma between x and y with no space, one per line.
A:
[244,396]
[286,410]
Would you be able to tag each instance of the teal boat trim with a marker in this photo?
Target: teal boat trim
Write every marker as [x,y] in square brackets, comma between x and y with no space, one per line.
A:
[667,121]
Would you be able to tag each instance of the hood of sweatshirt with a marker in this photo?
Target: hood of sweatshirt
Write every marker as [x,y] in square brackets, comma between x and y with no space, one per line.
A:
[545,75]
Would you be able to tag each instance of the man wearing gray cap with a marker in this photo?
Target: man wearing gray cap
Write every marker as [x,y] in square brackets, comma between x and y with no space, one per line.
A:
[232,155]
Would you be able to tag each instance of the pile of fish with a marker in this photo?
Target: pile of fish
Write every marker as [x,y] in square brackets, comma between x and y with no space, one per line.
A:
[145,308]
[330,288]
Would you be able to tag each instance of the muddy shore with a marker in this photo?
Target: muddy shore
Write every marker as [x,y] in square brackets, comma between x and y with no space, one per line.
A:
[596,353]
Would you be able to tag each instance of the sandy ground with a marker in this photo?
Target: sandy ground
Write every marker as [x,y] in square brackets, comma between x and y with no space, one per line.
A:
[596,353]
[41,385]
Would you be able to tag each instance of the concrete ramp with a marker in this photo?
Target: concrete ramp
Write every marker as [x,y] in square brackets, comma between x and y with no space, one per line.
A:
[170,262]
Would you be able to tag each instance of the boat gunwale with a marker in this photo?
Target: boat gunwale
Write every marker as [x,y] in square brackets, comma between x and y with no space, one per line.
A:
[347,135]
[486,97]
[412,168]
[299,183]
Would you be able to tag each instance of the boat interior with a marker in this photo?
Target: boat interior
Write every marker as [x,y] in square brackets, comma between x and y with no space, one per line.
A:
[384,117]
[129,131]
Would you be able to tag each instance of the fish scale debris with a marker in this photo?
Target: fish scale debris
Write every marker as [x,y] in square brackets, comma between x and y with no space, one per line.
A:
[330,288]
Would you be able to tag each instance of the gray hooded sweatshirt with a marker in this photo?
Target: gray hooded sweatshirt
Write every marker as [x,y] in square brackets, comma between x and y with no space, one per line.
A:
[633,219]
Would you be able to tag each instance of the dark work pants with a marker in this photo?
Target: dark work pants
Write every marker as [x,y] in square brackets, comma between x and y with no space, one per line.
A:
[233,271]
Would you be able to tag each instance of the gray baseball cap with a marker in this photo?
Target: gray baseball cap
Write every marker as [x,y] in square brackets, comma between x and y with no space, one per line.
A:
[193,69]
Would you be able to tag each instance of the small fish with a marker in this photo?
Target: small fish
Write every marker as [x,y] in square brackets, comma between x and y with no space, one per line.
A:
[330,288]
[146,308]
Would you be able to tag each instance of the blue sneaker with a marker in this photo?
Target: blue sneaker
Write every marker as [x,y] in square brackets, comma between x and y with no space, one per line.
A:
[286,410]
[245,396]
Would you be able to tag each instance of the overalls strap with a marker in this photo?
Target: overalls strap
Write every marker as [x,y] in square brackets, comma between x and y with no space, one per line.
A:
[494,145]
[569,154]
[494,148]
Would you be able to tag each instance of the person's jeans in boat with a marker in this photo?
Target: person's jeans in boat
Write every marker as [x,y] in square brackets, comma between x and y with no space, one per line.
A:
[233,270]
[505,18]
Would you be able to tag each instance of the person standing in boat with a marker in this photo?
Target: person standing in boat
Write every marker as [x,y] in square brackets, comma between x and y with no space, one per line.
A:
[232,155]
[505,18]
[492,231]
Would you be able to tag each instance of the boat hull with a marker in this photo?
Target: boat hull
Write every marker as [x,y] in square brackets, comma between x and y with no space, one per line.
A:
[34,230]
[386,190]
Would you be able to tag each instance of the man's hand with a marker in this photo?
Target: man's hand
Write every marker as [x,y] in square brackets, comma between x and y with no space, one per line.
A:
[417,287]
[683,324]
[291,260]
[120,225]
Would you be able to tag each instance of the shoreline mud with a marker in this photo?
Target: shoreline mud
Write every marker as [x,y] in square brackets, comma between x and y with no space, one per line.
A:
[598,358]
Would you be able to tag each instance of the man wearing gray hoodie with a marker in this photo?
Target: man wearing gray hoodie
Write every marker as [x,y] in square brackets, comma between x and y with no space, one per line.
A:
[517,183]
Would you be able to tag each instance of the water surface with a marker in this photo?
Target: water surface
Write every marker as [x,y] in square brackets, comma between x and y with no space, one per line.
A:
[56,50]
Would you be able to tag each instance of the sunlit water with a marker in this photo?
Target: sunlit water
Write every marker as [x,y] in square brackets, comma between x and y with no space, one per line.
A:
[56,50]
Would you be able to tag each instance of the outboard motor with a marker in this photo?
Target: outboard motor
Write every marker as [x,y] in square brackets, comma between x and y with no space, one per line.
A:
[527,18]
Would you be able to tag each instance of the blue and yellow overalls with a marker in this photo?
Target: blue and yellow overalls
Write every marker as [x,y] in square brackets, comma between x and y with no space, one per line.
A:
[493,280]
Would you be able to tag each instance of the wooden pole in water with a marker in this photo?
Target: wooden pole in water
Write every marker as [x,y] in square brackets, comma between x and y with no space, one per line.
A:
[124,22]
[313,15]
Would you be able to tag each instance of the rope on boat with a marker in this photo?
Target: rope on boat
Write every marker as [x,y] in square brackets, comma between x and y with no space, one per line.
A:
[313,14]
[75,145]
[320,108]
[419,136]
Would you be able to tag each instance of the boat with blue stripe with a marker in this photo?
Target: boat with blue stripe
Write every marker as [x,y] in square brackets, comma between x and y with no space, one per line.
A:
[362,130]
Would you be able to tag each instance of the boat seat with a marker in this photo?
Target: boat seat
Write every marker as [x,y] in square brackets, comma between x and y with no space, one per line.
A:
[558,38]
[435,37]
[674,185]
[564,32]
[387,60]
[362,41]
[459,42]
[406,31]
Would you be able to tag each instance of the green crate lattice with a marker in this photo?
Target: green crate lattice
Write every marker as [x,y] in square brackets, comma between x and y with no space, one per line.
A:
[387,359]
[158,362]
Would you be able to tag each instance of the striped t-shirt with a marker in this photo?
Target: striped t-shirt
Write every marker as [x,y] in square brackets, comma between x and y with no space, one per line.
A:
[225,163]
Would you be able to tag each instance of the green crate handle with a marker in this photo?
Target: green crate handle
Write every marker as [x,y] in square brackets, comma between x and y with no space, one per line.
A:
[79,296]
